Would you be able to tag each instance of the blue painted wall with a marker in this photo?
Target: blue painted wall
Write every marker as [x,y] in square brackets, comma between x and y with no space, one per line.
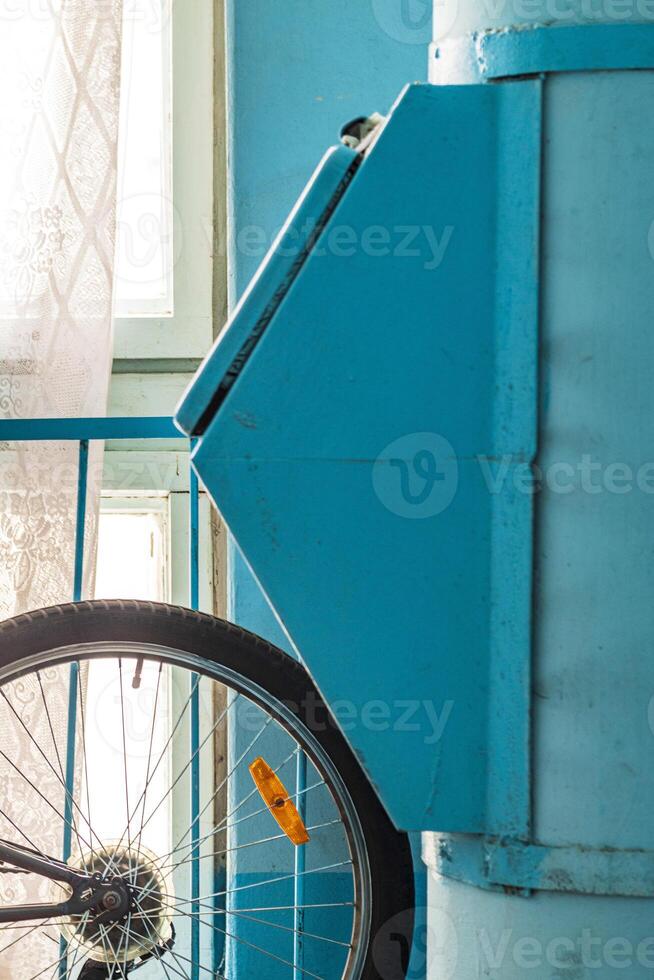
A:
[297,71]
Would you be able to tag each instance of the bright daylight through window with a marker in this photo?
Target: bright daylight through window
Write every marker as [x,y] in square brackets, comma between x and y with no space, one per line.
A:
[144,245]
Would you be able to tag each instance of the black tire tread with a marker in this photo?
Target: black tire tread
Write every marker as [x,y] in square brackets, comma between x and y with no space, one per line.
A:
[125,619]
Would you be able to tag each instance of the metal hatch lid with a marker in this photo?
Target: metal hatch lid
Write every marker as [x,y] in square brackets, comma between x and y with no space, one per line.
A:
[261,299]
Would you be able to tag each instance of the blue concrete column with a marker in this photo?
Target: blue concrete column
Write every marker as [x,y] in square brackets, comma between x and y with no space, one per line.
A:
[593,743]
[297,72]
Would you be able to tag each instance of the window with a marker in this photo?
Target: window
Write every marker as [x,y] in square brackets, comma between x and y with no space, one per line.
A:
[164,274]
[144,233]
[133,549]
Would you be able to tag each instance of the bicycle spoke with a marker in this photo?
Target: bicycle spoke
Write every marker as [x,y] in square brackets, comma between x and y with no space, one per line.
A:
[241,914]
[45,799]
[56,963]
[246,844]
[155,938]
[224,781]
[30,931]
[186,768]
[77,956]
[224,827]
[61,775]
[126,936]
[175,908]
[85,762]
[122,718]
[265,952]
[292,908]
[149,762]
[155,954]
[162,756]
[273,925]
[261,884]
[26,837]
[72,824]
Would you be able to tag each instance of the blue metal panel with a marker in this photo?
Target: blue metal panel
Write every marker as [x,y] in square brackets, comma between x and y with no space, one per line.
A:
[264,294]
[383,337]
[486,55]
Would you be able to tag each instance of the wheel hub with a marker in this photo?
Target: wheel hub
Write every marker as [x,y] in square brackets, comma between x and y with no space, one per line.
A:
[132,915]
[116,899]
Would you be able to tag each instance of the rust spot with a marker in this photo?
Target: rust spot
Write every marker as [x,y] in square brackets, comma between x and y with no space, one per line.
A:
[246,420]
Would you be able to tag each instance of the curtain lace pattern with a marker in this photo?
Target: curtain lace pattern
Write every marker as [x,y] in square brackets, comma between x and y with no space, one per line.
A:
[59,102]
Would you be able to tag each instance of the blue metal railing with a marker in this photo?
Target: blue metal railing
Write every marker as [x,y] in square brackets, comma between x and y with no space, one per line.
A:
[84,431]
[73,682]
[194,590]
[80,430]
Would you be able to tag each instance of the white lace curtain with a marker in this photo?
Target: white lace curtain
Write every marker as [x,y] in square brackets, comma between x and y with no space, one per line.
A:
[59,98]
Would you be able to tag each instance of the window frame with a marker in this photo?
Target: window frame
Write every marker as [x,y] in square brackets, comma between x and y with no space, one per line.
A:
[156,484]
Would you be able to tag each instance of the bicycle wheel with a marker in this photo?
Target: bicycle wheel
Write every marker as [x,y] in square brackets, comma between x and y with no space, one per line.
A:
[177,802]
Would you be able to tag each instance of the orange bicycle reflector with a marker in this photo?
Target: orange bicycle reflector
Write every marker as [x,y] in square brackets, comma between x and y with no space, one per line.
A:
[275,796]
